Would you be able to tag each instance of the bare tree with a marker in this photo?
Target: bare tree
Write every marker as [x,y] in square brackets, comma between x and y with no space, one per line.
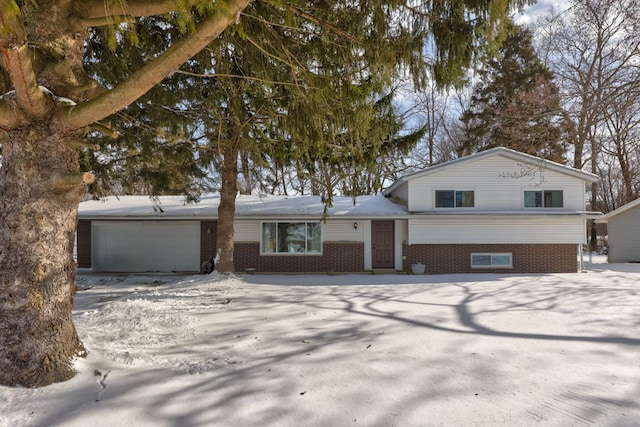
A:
[594,50]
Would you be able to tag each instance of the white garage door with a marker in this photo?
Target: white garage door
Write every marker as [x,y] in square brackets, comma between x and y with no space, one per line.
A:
[146,246]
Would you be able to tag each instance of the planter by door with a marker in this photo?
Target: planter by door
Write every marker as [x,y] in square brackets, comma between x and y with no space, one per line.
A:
[417,268]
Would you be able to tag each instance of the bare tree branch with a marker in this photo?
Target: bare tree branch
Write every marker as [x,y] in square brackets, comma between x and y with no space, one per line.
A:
[143,80]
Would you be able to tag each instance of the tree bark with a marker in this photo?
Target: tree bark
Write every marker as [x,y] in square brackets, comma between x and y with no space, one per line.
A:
[40,180]
[227,208]
[246,174]
[37,273]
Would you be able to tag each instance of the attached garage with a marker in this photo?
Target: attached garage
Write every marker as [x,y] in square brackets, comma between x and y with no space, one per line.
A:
[146,246]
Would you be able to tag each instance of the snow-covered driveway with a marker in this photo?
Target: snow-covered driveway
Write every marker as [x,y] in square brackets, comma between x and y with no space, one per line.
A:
[558,349]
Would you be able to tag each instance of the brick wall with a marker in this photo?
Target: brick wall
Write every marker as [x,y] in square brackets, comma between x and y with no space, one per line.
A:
[207,240]
[527,258]
[338,257]
[348,257]
[83,244]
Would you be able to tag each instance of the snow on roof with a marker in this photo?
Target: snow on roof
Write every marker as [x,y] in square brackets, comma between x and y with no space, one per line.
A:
[246,206]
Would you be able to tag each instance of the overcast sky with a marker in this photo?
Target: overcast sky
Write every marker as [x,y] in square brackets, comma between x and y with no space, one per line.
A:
[540,8]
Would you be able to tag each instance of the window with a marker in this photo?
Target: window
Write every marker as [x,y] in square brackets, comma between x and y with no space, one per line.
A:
[454,199]
[491,260]
[291,237]
[543,199]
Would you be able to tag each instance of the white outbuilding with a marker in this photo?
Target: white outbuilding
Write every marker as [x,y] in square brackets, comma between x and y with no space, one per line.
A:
[623,228]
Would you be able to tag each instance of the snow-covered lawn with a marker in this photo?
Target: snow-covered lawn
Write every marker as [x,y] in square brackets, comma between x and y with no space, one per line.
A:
[267,350]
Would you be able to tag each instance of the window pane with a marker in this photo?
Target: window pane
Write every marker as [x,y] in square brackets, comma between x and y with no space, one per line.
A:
[291,237]
[313,237]
[481,260]
[283,243]
[501,260]
[553,199]
[532,199]
[444,198]
[464,199]
[269,237]
[489,260]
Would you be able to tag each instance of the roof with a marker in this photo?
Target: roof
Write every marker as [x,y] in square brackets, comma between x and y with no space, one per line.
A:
[175,207]
[498,151]
[618,211]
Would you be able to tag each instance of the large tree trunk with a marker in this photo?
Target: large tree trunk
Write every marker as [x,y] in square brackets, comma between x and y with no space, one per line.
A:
[40,183]
[227,209]
[38,210]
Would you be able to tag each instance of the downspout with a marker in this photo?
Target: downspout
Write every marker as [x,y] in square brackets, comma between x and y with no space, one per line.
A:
[581,264]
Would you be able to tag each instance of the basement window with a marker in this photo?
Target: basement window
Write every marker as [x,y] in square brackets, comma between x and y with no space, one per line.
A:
[489,260]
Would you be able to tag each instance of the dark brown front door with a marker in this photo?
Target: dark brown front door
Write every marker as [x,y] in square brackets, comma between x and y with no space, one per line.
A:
[382,238]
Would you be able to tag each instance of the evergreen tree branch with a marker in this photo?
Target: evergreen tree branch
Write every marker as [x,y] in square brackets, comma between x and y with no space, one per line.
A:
[324,24]
[17,60]
[103,21]
[418,12]
[64,182]
[235,76]
[99,9]
[276,57]
[105,130]
[144,79]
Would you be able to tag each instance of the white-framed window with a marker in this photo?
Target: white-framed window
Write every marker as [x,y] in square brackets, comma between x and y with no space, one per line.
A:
[492,260]
[293,237]
[455,199]
[543,199]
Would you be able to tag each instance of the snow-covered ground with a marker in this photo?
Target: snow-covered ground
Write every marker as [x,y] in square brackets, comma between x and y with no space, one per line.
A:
[276,350]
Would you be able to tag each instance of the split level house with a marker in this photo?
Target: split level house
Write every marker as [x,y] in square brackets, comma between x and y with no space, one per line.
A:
[495,211]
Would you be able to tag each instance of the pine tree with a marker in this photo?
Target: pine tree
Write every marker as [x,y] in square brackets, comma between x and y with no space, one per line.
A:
[50,103]
[516,104]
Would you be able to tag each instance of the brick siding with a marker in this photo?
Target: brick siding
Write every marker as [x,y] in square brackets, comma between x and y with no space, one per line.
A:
[526,258]
[337,257]
[207,240]
[83,244]
[348,257]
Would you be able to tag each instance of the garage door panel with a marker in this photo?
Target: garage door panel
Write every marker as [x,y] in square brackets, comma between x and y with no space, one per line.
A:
[146,246]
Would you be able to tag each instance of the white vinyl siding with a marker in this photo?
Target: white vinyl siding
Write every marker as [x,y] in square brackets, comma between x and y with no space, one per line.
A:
[146,246]
[624,236]
[343,231]
[502,229]
[401,194]
[498,183]
[246,230]
[332,231]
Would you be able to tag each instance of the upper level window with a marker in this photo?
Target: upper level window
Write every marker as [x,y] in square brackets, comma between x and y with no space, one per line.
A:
[454,199]
[291,237]
[543,199]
